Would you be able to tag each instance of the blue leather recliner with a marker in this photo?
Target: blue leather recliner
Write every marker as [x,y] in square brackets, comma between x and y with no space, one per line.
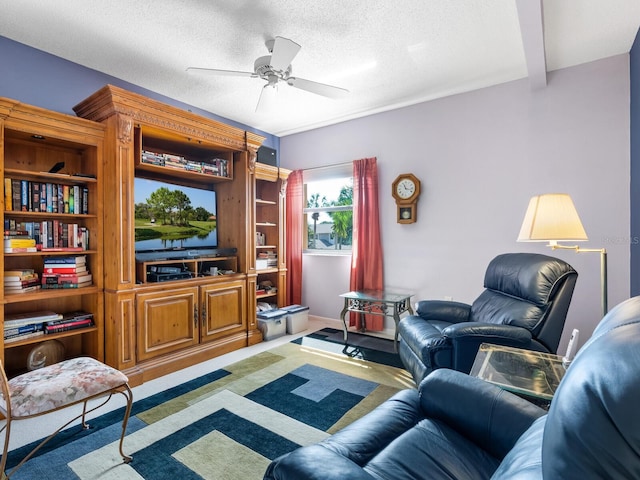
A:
[460,427]
[524,305]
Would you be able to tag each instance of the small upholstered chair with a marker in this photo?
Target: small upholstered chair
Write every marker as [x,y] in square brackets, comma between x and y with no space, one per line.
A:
[58,386]
[524,305]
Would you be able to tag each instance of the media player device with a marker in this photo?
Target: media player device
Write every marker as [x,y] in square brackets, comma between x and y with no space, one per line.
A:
[165,277]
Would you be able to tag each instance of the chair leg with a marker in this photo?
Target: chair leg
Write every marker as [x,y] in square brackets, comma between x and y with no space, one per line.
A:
[5,450]
[124,389]
[85,425]
[128,394]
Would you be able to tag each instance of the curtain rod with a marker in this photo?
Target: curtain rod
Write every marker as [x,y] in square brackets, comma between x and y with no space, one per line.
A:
[333,165]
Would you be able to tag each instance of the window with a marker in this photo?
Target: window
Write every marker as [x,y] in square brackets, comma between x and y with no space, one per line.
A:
[329,209]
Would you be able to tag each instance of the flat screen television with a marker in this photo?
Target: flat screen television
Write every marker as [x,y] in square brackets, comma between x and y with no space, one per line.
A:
[173,217]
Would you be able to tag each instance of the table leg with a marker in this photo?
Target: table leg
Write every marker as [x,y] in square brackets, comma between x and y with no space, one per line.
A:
[342,315]
[396,319]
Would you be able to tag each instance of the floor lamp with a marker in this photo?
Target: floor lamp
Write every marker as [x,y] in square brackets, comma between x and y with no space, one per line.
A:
[553,218]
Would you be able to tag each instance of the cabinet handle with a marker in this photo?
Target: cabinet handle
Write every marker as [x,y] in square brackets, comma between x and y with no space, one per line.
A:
[195,315]
[204,314]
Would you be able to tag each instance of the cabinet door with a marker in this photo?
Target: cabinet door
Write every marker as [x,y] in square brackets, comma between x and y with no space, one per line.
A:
[167,321]
[223,310]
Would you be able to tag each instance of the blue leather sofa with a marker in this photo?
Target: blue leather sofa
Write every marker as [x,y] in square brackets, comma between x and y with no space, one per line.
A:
[524,305]
[460,427]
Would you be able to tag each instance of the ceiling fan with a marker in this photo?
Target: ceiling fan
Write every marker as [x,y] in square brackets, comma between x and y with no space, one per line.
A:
[276,68]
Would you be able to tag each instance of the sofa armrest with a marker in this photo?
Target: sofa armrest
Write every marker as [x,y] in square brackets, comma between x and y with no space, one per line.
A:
[314,462]
[482,412]
[452,312]
[363,439]
[488,332]
[465,339]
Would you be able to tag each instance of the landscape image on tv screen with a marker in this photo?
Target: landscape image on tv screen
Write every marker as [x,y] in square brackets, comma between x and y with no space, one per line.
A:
[171,216]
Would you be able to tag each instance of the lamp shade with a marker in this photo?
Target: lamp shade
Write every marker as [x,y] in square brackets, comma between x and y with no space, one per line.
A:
[551,217]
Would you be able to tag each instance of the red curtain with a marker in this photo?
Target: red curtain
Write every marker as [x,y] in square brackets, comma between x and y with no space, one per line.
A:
[366,255]
[294,224]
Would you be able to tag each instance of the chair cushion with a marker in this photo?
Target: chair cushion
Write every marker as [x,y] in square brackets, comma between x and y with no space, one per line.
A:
[499,309]
[60,385]
[529,276]
[432,450]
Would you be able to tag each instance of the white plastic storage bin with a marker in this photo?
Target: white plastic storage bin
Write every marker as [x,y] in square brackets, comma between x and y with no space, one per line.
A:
[297,318]
[272,323]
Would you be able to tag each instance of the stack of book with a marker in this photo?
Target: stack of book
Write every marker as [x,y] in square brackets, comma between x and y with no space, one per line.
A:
[18,241]
[69,321]
[20,281]
[66,271]
[26,325]
[266,260]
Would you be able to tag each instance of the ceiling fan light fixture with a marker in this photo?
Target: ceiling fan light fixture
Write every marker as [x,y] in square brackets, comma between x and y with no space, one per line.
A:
[276,67]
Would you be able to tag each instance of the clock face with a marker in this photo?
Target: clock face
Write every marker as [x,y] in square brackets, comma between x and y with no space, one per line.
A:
[405,188]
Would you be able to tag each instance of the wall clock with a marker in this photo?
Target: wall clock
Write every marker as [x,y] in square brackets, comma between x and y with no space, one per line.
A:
[406,190]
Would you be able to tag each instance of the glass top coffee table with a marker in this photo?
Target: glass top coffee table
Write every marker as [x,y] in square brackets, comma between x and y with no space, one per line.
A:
[534,375]
[376,302]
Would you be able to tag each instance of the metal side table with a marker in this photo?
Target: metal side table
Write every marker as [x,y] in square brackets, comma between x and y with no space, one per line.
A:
[376,302]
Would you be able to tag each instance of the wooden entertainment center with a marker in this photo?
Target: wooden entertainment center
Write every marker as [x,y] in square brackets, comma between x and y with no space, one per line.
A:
[150,325]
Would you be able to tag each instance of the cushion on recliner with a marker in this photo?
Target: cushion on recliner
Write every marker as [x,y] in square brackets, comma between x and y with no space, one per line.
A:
[432,451]
[500,309]
[530,276]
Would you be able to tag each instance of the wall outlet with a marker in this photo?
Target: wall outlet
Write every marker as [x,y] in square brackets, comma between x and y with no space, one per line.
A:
[448,298]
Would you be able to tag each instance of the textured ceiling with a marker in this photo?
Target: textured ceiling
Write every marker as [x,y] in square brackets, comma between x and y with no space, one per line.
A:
[386,53]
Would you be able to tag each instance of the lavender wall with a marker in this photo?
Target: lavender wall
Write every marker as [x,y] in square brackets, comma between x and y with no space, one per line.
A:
[480,157]
[38,78]
[634,62]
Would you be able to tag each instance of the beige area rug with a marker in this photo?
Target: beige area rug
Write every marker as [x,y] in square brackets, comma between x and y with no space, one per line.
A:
[228,424]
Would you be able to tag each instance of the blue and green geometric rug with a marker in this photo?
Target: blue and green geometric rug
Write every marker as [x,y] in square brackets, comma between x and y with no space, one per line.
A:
[230,423]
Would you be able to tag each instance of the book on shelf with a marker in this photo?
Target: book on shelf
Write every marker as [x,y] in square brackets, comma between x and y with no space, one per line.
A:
[52,278]
[14,233]
[66,259]
[14,331]
[20,249]
[24,336]
[16,283]
[40,316]
[7,194]
[52,286]
[69,317]
[22,241]
[19,275]
[70,325]
[11,290]
[68,269]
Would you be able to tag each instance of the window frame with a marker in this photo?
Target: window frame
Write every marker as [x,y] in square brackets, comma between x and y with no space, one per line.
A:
[339,171]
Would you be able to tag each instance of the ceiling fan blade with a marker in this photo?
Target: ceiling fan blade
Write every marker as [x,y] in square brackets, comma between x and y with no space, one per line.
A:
[284,51]
[318,88]
[215,71]
[267,97]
